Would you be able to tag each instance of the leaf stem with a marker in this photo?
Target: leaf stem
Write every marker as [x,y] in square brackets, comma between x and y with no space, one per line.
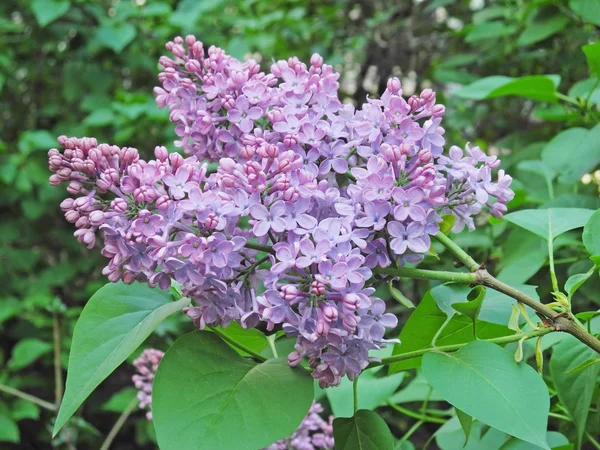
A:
[119,424]
[355,393]
[414,415]
[423,274]
[460,254]
[30,398]
[454,347]
[240,346]
[58,375]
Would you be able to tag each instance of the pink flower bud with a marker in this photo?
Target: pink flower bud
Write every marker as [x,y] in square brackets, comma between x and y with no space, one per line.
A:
[96,218]
[294,359]
[161,153]
[351,302]
[317,287]
[119,205]
[394,85]
[322,328]
[330,313]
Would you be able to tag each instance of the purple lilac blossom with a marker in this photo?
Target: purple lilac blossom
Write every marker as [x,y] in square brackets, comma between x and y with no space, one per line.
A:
[334,191]
[146,365]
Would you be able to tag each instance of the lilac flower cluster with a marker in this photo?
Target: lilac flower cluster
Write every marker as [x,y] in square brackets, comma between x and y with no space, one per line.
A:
[310,196]
[146,365]
[313,433]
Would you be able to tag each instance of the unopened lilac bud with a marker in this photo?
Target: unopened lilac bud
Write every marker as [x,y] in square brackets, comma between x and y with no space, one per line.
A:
[161,153]
[351,302]
[316,60]
[176,160]
[350,321]
[394,85]
[96,218]
[322,328]
[74,187]
[289,292]
[330,313]
[438,111]
[414,103]
[427,95]
[66,204]
[162,202]
[55,180]
[294,359]
[317,287]
[72,216]
[119,205]
[130,155]
[193,66]
[424,156]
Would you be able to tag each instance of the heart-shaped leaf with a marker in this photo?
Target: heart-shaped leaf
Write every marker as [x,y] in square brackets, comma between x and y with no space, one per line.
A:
[205,395]
[484,381]
[47,11]
[552,222]
[366,430]
[114,322]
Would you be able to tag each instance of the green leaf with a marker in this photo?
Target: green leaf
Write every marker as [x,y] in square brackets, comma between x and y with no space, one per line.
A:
[465,422]
[252,338]
[47,11]
[592,55]
[447,223]
[584,365]
[399,296]
[113,323]
[573,153]
[100,118]
[591,234]
[524,254]
[554,439]
[535,87]
[450,436]
[588,10]
[117,36]
[483,380]
[538,168]
[424,323]
[22,409]
[119,401]
[206,393]
[366,430]
[373,391]
[473,306]
[489,30]
[9,431]
[576,281]
[540,30]
[27,351]
[575,389]
[551,222]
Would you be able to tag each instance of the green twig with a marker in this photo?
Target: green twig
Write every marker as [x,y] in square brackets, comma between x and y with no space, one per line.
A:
[414,415]
[119,424]
[30,398]
[454,347]
[240,346]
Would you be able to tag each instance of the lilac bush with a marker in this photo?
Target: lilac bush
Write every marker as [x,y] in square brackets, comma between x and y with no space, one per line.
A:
[310,197]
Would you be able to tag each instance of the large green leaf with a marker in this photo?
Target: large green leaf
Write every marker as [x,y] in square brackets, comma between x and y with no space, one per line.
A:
[416,391]
[426,320]
[523,255]
[205,395]
[114,322]
[252,338]
[483,380]
[551,222]
[366,430]
[575,389]
[373,391]
[47,11]
[535,87]
[588,10]
[591,234]
[9,431]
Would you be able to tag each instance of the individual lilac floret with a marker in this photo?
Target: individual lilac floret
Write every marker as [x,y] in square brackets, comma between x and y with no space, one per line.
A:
[146,365]
[313,433]
[310,197]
